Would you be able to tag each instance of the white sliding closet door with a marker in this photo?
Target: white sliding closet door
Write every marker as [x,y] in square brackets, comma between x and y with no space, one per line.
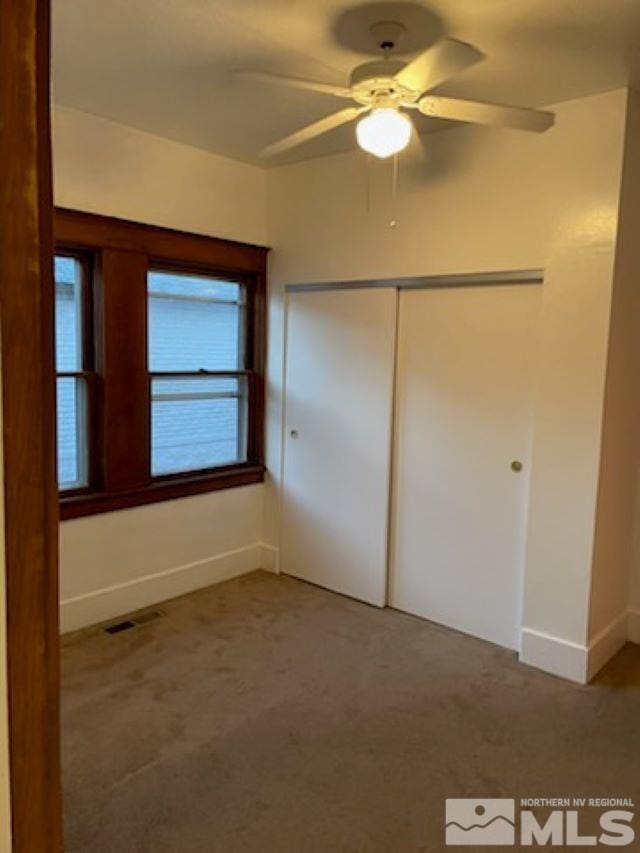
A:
[463,415]
[339,396]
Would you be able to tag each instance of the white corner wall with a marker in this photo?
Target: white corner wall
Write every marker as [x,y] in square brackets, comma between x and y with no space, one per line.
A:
[472,200]
[616,572]
[116,562]
[108,168]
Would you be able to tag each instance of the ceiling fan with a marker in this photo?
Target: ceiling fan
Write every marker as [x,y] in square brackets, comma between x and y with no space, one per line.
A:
[383,88]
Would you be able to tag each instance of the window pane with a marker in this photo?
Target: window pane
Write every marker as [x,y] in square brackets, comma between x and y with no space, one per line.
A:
[197,423]
[68,281]
[195,323]
[72,431]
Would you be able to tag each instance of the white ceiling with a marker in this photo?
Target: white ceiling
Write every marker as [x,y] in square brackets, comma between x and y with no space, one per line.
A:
[167,66]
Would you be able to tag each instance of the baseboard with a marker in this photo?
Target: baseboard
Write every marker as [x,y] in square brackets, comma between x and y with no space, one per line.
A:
[633,626]
[555,655]
[606,644]
[270,558]
[574,661]
[110,602]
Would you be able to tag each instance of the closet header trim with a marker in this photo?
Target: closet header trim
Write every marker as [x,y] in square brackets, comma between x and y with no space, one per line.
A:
[484,279]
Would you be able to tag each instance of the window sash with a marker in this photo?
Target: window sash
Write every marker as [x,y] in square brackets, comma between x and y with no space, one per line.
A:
[243,304]
[80,433]
[85,420]
[212,337]
[245,383]
[84,376]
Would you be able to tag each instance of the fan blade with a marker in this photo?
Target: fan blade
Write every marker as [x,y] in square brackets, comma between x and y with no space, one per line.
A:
[298,83]
[313,130]
[437,64]
[495,115]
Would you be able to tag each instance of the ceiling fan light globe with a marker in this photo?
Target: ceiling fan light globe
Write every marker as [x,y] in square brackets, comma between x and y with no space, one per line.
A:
[384,132]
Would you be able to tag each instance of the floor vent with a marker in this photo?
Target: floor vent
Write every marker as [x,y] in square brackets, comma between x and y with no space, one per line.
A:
[120,626]
[138,619]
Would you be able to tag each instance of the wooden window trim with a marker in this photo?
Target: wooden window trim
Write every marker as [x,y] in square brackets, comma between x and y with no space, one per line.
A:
[122,252]
[78,229]
[28,425]
[161,489]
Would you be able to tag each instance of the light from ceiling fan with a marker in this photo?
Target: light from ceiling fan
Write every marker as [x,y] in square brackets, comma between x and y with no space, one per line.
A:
[384,132]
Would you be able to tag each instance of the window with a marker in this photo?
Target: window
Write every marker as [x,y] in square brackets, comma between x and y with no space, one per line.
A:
[160,351]
[73,370]
[196,363]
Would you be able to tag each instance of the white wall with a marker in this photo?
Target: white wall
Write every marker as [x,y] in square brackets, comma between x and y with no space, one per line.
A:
[616,568]
[115,562]
[108,168]
[477,200]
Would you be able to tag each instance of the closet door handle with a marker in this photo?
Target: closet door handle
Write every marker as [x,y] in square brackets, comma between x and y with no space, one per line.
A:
[294,433]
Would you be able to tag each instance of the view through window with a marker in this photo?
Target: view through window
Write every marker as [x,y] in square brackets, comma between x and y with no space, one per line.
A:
[72,408]
[196,362]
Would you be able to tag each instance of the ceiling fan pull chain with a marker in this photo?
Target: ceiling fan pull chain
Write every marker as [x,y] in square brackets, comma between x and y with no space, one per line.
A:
[394,191]
[367,182]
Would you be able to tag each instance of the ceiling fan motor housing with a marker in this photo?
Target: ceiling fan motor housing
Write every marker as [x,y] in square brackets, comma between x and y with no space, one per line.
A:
[375,80]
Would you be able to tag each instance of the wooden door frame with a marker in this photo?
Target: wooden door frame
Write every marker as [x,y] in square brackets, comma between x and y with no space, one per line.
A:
[28,404]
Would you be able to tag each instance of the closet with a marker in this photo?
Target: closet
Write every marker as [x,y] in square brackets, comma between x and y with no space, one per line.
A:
[339,399]
[408,420]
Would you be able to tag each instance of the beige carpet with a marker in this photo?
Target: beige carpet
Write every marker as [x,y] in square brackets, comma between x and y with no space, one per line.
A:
[265,714]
